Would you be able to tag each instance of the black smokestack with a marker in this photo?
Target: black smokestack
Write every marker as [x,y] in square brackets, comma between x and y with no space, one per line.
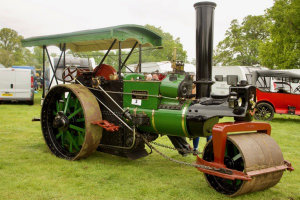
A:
[204,47]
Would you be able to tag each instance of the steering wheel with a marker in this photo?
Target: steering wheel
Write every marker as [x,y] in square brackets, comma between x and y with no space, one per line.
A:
[297,90]
[68,72]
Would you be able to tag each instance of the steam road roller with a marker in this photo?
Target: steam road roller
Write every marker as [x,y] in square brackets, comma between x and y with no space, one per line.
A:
[117,112]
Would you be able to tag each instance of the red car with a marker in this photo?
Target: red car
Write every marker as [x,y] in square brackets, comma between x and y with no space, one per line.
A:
[275,94]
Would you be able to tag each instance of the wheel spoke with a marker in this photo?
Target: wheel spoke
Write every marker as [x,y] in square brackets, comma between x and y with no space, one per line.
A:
[75,113]
[60,133]
[76,128]
[72,142]
[67,103]
[236,157]
[70,146]
[76,103]
[80,138]
[80,120]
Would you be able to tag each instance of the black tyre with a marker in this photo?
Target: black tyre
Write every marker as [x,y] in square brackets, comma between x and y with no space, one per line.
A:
[264,111]
[31,101]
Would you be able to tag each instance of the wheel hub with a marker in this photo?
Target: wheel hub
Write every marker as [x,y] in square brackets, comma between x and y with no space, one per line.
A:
[61,121]
[229,162]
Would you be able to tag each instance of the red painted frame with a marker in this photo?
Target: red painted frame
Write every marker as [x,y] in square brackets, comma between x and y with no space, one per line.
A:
[219,133]
[221,130]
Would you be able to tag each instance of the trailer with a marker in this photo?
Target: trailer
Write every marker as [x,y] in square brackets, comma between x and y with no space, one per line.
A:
[122,113]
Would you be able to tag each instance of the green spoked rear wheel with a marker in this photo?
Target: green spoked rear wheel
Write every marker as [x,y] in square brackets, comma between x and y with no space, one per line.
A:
[66,117]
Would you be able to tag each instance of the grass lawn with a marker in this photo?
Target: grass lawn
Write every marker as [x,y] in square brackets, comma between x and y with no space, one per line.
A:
[29,171]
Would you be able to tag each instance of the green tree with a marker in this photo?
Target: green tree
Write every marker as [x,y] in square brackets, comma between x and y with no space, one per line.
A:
[282,50]
[6,58]
[12,52]
[10,40]
[37,57]
[164,54]
[242,41]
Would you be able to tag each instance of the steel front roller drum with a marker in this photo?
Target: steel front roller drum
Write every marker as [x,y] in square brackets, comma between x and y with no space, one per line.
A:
[66,117]
[247,152]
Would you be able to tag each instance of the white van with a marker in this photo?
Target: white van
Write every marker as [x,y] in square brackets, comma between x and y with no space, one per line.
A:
[220,75]
[16,85]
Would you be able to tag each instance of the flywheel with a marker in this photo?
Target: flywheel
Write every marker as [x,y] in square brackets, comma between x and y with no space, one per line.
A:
[66,118]
[247,152]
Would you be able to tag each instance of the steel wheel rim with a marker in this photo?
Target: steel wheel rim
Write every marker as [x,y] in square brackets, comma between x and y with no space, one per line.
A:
[263,113]
[76,138]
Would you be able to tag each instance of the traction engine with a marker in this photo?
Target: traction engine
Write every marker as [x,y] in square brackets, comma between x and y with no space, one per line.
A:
[121,114]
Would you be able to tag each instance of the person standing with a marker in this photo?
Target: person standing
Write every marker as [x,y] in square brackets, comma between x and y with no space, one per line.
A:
[196,144]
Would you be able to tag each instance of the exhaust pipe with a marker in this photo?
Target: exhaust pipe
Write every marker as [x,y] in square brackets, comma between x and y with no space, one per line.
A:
[204,47]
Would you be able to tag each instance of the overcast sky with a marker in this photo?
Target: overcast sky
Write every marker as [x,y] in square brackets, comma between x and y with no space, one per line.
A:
[40,17]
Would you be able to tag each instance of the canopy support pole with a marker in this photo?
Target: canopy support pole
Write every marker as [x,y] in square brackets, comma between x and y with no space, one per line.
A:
[140,59]
[128,55]
[120,60]
[43,95]
[51,65]
[64,62]
[104,57]
[54,75]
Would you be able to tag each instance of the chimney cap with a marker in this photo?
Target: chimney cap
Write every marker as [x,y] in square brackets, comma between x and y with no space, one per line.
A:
[205,3]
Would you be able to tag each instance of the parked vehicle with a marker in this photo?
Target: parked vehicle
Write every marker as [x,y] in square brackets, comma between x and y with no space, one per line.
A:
[16,85]
[293,84]
[220,75]
[276,96]
[33,71]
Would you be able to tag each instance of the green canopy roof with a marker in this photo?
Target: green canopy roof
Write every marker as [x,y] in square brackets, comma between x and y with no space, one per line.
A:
[99,39]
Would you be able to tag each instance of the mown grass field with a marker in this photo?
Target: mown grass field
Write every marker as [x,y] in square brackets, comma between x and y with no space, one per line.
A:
[29,171]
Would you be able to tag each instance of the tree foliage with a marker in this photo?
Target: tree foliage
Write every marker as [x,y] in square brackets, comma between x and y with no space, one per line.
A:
[6,57]
[164,54]
[12,52]
[241,43]
[10,40]
[282,50]
[271,40]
